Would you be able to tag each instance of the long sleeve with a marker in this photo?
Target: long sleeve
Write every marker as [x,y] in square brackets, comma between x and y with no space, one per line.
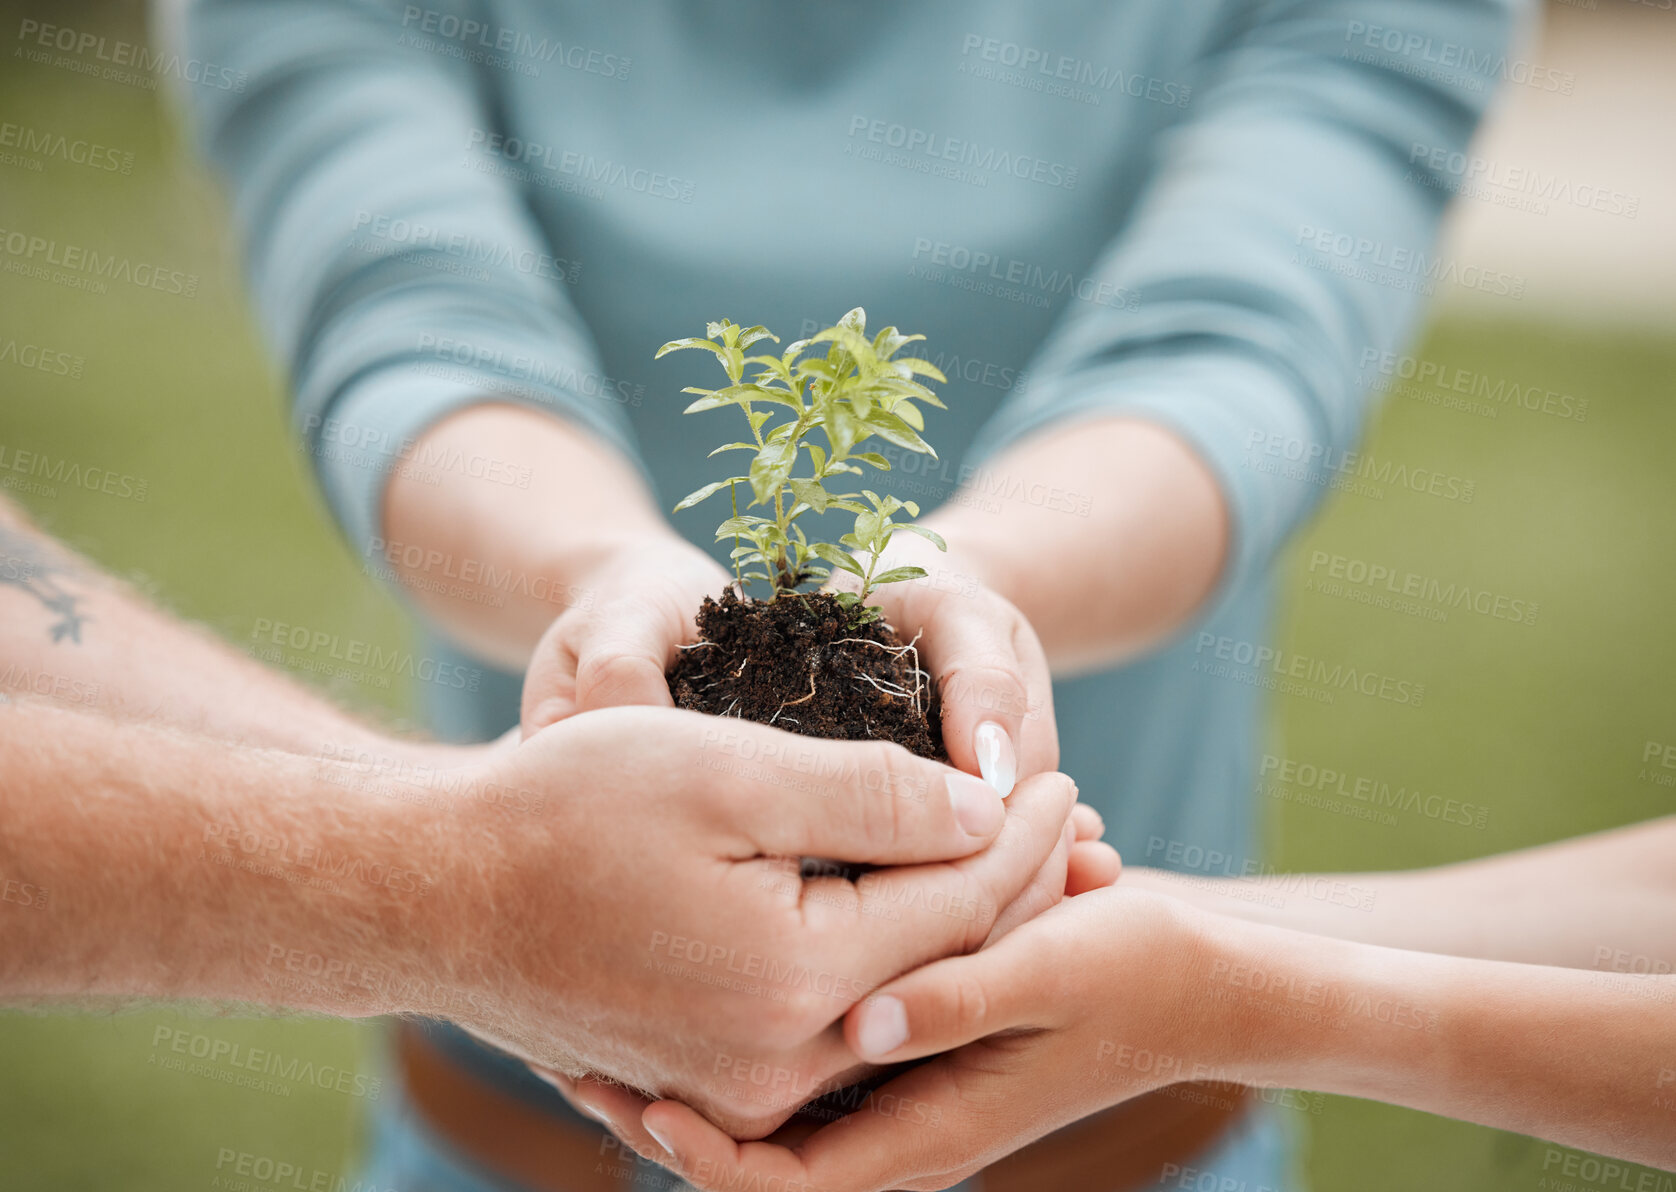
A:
[1287,229]
[396,268]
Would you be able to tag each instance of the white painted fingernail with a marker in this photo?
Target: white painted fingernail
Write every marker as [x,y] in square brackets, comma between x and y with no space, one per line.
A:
[996,760]
[884,1027]
[659,1139]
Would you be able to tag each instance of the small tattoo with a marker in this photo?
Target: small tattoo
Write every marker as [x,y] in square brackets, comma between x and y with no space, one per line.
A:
[24,564]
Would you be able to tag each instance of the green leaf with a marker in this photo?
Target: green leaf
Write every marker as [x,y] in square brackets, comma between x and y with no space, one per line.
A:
[887,342]
[753,335]
[679,345]
[930,536]
[745,525]
[897,574]
[708,490]
[734,447]
[847,599]
[772,465]
[892,429]
[837,557]
[854,320]
[874,458]
[922,368]
[751,391]
[812,492]
[714,402]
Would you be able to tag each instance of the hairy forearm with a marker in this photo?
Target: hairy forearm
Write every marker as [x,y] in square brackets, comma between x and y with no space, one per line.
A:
[146,863]
[494,563]
[1606,901]
[1107,535]
[75,636]
[1583,1059]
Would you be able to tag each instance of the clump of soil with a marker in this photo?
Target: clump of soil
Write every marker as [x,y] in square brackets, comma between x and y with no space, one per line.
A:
[797,663]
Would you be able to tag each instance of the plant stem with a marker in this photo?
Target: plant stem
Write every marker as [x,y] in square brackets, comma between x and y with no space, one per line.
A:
[738,576]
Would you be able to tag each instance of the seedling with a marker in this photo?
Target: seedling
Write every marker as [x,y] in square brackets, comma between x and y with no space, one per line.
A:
[851,389]
[819,663]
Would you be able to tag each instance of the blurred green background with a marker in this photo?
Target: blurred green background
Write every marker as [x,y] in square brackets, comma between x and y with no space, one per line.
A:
[1541,724]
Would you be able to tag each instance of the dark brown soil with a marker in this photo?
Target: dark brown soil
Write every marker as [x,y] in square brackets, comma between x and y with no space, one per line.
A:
[798,664]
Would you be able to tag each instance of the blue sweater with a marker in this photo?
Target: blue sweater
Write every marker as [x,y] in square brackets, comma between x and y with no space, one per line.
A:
[1209,213]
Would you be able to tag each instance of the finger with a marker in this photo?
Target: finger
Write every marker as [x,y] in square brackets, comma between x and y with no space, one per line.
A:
[619,1110]
[969,649]
[1045,890]
[961,1119]
[1094,865]
[706,1156]
[549,692]
[1090,826]
[866,802]
[891,920]
[952,1002]
[623,652]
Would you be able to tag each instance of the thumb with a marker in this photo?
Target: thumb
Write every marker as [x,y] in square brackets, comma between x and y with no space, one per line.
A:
[952,1002]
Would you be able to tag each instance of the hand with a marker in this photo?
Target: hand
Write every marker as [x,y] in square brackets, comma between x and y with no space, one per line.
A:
[1035,1030]
[651,924]
[614,651]
[991,675]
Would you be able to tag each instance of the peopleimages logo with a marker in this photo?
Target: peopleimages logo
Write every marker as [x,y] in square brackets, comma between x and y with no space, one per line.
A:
[938,148]
[469,33]
[1228,657]
[111,54]
[35,256]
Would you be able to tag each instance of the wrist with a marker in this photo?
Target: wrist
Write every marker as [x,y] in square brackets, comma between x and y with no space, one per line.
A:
[368,873]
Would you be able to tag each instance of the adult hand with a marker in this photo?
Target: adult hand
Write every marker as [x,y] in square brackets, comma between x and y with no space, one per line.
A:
[612,649]
[1030,1035]
[651,923]
[991,675]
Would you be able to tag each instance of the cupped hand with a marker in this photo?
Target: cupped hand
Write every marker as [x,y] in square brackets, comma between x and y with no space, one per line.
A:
[613,647]
[648,919]
[1029,1035]
[991,674]
[614,650]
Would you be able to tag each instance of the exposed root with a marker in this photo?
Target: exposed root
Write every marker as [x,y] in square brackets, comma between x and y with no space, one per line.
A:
[922,679]
[888,688]
[801,700]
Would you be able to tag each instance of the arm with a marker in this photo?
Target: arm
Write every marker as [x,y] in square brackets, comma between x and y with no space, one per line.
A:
[71,634]
[138,862]
[1606,900]
[1118,993]
[1241,338]
[402,279]
[127,840]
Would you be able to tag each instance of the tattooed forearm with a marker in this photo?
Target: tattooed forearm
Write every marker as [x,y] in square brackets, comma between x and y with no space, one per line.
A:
[31,565]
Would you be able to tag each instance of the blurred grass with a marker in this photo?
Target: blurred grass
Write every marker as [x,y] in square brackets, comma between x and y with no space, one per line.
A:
[1542,724]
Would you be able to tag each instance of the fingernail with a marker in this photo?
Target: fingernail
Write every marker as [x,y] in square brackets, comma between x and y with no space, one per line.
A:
[884,1027]
[996,760]
[977,809]
[659,1139]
